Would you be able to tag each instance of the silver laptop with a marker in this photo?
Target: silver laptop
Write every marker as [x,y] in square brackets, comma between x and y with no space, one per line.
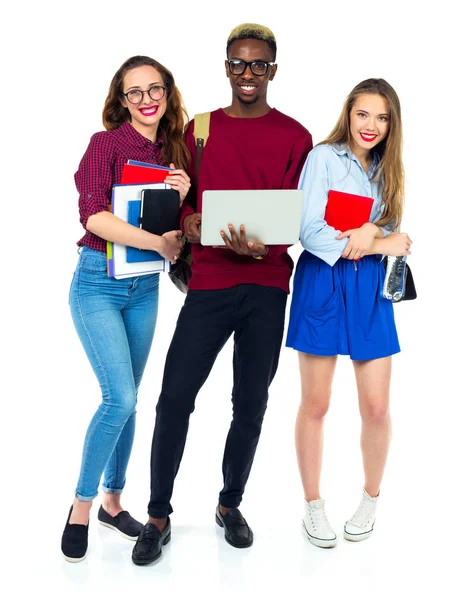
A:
[269,216]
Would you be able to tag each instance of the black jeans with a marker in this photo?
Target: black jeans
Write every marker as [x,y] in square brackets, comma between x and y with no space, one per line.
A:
[208,318]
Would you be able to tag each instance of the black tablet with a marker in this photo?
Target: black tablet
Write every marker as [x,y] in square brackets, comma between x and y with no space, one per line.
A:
[160,210]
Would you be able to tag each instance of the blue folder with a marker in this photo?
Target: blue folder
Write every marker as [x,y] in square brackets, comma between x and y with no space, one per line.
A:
[144,164]
[134,254]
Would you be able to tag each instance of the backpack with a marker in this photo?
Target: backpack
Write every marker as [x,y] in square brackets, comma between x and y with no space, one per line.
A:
[181,272]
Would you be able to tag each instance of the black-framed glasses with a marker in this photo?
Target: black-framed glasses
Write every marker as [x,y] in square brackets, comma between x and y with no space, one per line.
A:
[156,92]
[257,67]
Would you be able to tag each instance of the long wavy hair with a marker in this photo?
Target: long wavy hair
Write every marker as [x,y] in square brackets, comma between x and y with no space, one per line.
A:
[173,121]
[389,172]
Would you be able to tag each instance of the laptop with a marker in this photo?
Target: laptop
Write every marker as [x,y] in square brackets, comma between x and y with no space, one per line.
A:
[269,216]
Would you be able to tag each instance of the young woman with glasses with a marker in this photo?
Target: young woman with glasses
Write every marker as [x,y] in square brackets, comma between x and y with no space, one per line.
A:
[115,318]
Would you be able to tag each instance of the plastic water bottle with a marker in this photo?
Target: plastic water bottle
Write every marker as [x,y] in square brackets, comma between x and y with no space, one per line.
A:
[394,282]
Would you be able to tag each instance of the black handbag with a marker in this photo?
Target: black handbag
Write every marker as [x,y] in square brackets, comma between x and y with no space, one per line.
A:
[409,288]
[181,272]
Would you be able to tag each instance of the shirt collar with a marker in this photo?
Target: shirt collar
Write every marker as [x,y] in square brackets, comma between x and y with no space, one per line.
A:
[135,138]
[343,149]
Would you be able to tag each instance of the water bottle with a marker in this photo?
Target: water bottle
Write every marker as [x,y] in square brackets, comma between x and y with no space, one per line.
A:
[394,282]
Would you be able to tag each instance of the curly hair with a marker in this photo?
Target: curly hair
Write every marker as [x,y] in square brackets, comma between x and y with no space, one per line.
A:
[173,121]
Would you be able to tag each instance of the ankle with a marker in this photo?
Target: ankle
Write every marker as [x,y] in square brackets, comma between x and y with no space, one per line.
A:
[312,498]
[373,492]
[80,512]
[111,504]
[160,523]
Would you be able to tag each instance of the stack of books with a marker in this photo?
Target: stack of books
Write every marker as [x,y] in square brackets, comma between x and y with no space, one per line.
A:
[140,188]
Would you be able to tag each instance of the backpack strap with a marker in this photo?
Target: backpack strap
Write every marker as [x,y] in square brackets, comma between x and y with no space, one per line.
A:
[201,134]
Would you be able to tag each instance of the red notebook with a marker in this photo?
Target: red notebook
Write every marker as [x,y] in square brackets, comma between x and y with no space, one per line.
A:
[347,211]
[139,174]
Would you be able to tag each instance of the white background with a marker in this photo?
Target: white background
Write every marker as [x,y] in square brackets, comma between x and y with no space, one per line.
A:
[57,63]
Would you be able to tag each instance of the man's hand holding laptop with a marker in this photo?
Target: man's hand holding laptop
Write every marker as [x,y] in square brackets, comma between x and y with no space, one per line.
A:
[240,245]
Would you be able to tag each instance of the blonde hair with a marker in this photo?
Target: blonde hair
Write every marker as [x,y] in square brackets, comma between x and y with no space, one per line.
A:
[389,171]
[253,31]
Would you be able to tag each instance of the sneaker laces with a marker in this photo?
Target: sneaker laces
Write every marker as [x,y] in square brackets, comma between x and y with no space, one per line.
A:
[365,511]
[318,517]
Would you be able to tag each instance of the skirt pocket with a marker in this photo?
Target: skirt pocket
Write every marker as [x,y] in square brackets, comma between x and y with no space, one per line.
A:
[321,325]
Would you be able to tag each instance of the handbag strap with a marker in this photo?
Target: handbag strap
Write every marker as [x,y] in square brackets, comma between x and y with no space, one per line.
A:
[201,134]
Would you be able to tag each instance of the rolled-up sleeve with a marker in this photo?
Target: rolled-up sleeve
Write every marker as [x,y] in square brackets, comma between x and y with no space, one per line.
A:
[94,177]
[315,235]
[388,229]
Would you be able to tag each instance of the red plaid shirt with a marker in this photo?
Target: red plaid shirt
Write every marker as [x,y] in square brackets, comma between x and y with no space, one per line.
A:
[101,167]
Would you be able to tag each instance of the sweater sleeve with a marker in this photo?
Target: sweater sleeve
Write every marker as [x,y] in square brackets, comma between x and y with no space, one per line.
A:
[299,153]
[94,177]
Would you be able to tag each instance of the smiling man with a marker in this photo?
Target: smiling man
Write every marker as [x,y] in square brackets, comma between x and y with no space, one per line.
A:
[240,290]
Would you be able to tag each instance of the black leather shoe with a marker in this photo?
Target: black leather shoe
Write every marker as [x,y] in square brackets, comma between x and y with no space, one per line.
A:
[74,542]
[123,523]
[237,532]
[150,541]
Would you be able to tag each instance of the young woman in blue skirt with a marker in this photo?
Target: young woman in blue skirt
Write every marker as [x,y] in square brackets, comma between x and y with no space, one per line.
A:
[337,304]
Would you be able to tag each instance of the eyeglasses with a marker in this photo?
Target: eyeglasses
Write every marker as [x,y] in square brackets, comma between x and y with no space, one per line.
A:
[156,92]
[257,67]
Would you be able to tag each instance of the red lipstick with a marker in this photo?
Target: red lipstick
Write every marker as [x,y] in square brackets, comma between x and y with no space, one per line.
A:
[149,111]
[368,137]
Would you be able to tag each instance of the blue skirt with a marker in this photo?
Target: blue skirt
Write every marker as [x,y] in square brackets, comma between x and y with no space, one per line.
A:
[341,310]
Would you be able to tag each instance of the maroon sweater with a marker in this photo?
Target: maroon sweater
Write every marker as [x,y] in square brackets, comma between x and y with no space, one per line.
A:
[245,154]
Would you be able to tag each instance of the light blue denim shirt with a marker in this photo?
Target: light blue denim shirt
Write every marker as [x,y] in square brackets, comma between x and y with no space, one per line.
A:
[333,168]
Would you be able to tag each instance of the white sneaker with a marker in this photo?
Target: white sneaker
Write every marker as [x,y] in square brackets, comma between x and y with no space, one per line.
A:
[316,526]
[361,524]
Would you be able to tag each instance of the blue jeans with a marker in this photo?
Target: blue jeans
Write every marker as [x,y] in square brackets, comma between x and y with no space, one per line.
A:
[115,320]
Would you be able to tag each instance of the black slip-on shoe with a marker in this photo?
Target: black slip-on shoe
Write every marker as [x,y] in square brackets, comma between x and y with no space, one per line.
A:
[148,547]
[123,523]
[237,531]
[74,542]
